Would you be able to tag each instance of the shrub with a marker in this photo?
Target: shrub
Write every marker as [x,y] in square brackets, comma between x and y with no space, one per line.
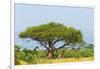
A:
[31,59]
[78,53]
[87,53]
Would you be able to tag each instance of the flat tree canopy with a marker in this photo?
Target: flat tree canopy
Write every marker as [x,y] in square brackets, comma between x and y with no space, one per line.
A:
[51,33]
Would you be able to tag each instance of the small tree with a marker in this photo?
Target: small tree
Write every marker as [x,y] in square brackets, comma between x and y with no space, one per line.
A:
[50,34]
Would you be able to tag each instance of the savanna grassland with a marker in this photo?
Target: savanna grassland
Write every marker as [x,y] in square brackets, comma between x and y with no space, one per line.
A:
[27,56]
[72,49]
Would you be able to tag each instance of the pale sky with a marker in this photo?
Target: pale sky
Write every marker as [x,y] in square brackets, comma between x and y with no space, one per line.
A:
[31,15]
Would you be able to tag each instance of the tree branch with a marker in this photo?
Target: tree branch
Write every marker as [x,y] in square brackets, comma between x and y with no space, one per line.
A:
[63,46]
[44,45]
[35,48]
[57,40]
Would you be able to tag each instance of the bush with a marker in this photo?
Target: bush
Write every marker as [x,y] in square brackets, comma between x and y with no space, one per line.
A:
[78,53]
[87,53]
[71,54]
[28,56]
[19,56]
[42,53]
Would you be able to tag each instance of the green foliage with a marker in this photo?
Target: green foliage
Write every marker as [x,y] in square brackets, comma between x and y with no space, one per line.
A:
[79,53]
[28,55]
[30,58]
[90,46]
[48,35]
[42,53]
[33,57]
[17,48]
[18,54]
[51,32]
[87,52]
[71,54]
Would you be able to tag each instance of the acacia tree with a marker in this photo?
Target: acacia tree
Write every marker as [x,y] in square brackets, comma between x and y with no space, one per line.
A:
[48,35]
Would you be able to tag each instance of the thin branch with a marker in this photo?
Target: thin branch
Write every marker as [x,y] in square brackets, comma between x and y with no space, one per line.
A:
[44,45]
[57,40]
[36,48]
[63,46]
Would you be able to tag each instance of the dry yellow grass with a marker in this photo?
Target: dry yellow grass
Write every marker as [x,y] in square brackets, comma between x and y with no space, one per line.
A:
[61,60]
[21,62]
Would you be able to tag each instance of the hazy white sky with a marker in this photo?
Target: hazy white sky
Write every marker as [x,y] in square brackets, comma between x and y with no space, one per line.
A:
[31,15]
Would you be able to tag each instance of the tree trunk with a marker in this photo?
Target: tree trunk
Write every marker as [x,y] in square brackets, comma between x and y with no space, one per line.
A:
[50,54]
[50,50]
